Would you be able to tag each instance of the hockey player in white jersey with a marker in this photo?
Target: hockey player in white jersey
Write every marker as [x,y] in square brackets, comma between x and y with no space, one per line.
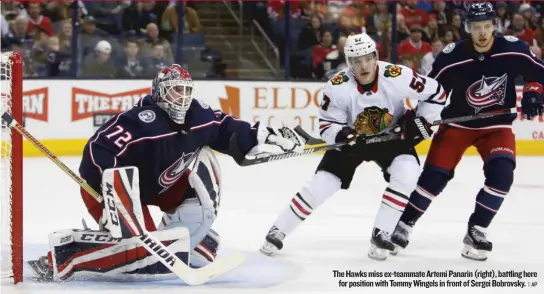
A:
[367,98]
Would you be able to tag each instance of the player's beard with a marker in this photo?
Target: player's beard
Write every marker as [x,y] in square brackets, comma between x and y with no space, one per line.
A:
[483,44]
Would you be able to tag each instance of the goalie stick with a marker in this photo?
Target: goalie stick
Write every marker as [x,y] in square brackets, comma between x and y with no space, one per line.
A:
[248,160]
[220,266]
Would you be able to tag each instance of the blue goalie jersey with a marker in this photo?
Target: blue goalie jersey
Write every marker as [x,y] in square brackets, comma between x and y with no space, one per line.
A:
[481,82]
[147,138]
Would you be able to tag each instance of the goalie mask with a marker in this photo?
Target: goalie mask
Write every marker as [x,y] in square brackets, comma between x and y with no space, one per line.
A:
[172,90]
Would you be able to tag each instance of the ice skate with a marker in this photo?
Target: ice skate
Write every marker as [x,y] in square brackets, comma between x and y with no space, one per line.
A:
[380,245]
[273,242]
[476,244]
[44,273]
[401,237]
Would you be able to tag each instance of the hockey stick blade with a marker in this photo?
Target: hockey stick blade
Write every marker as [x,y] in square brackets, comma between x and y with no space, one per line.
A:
[165,256]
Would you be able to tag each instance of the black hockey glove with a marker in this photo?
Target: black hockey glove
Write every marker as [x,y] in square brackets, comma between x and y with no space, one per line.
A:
[531,103]
[346,135]
[417,129]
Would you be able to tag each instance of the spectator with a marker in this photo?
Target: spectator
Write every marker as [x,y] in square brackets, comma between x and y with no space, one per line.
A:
[378,22]
[106,14]
[448,36]
[58,10]
[334,62]
[152,38]
[157,61]
[431,30]
[518,29]
[539,33]
[28,69]
[357,11]
[321,50]
[455,7]
[4,31]
[346,27]
[131,66]
[90,35]
[527,12]
[457,27]
[503,17]
[18,33]
[403,32]
[99,64]
[37,22]
[57,63]
[412,50]
[170,19]
[310,34]
[137,16]
[439,9]
[335,8]
[428,59]
[65,35]
[276,9]
[413,15]
[12,9]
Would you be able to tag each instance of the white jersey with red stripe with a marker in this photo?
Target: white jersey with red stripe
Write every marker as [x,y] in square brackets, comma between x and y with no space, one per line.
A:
[376,108]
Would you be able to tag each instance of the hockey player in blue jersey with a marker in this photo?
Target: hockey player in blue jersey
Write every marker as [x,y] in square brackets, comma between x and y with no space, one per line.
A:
[480,75]
[167,137]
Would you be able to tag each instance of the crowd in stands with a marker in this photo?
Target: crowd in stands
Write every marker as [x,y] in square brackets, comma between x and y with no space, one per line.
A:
[133,39]
[423,28]
[126,39]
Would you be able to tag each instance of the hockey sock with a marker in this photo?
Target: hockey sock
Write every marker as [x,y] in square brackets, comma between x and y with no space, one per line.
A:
[391,208]
[499,175]
[297,211]
[431,183]
[322,185]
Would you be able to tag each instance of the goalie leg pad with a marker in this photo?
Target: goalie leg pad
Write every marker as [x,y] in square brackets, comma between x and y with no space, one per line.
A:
[98,255]
[123,209]
[206,251]
[199,209]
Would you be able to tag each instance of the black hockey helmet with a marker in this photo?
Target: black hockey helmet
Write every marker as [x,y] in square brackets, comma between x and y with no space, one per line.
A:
[480,11]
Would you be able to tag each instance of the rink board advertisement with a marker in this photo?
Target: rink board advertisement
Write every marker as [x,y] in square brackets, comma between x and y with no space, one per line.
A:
[65,113]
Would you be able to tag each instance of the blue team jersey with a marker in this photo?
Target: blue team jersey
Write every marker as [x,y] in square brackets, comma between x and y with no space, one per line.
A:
[481,82]
[147,138]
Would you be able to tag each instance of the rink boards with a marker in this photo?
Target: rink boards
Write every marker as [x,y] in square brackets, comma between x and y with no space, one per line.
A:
[65,113]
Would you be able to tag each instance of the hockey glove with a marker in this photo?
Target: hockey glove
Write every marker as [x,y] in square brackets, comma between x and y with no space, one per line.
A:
[417,129]
[346,135]
[531,103]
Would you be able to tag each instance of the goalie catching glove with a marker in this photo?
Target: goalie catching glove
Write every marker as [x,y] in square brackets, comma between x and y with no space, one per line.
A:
[276,140]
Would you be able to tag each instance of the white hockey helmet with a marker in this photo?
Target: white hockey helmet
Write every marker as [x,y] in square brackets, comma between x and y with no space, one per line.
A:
[359,45]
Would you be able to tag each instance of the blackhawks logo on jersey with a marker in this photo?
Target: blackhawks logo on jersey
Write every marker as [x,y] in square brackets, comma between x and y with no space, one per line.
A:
[392,71]
[339,79]
[372,120]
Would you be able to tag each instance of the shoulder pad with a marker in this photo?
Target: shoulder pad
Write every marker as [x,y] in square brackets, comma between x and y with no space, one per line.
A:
[147,116]
[392,71]
[339,78]
[449,48]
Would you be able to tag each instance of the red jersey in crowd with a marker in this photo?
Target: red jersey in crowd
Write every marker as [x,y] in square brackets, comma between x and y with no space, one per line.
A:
[319,53]
[42,23]
[416,16]
[526,35]
[413,52]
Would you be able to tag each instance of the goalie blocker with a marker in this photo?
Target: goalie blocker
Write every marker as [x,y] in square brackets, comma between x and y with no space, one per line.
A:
[115,252]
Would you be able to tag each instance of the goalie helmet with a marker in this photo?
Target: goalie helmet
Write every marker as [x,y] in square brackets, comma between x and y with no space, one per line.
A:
[172,90]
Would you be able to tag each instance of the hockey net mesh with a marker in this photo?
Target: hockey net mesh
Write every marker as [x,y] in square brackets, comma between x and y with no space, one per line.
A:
[6,67]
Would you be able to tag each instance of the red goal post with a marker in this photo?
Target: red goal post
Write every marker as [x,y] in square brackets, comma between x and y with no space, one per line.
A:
[11,169]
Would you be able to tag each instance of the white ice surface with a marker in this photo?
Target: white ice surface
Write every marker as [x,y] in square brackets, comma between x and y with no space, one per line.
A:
[335,237]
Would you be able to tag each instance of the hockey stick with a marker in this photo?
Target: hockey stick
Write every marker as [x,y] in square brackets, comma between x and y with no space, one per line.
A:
[248,160]
[187,274]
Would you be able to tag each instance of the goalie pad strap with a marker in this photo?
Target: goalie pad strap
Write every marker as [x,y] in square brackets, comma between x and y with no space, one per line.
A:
[97,254]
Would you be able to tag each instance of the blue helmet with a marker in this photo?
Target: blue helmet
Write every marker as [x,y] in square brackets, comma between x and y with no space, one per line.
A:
[480,11]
